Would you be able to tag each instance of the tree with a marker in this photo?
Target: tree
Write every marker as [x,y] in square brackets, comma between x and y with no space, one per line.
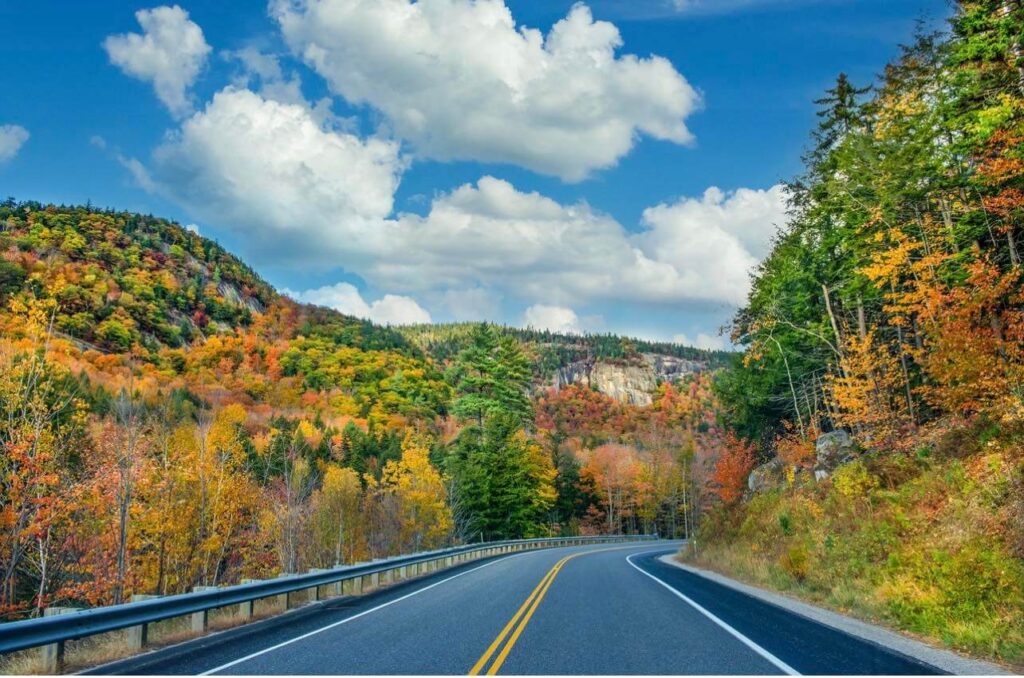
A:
[734,463]
[335,516]
[426,520]
[492,376]
[504,481]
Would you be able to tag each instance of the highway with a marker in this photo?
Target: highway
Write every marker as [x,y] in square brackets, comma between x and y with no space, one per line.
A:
[581,610]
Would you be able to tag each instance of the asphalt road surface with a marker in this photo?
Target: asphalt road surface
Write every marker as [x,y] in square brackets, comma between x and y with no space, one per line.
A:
[582,610]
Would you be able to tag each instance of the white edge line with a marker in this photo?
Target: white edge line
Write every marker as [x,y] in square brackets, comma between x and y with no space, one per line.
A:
[778,663]
[355,616]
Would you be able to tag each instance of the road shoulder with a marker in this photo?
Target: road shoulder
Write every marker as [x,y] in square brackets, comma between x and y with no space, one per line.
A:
[939,658]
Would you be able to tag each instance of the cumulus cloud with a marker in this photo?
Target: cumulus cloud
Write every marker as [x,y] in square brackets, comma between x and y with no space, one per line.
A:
[534,248]
[271,172]
[389,310]
[12,138]
[552,318]
[299,191]
[459,80]
[715,241]
[707,342]
[170,53]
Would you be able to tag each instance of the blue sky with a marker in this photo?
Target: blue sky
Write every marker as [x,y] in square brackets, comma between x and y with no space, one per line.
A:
[614,169]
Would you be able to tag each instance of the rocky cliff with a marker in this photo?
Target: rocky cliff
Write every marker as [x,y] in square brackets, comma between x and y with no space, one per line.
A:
[631,382]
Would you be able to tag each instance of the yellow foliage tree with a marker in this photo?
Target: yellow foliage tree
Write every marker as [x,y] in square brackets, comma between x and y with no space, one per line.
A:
[426,519]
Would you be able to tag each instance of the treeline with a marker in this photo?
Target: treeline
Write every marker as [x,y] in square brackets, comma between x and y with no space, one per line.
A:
[893,297]
[550,351]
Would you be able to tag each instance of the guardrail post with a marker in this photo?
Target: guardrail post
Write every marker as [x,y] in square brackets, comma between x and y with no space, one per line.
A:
[53,655]
[138,636]
[316,589]
[201,619]
[246,608]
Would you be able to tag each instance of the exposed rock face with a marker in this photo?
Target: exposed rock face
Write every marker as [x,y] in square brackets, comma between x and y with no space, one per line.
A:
[627,383]
[832,450]
[671,368]
[767,476]
[234,297]
[631,384]
[573,373]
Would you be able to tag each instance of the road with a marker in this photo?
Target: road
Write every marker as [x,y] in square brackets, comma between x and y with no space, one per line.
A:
[583,610]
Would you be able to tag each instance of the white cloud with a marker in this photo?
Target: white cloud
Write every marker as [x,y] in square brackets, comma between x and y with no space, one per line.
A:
[12,138]
[472,303]
[707,342]
[192,228]
[714,242]
[460,81]
[170,52]
[269,171]
[389,310]
[533,248]
[300,192]
[553,318]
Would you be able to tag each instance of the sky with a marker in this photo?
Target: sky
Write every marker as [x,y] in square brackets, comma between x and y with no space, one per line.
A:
[601,166]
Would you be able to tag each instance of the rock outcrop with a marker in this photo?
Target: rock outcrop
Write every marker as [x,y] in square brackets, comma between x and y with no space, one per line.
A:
[832,450]
[631,384]
[671,368]
[767,476]
[627,382]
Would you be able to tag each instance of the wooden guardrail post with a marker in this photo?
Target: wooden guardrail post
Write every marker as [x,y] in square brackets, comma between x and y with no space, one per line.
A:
[201,619]
[53,655]
[137,637]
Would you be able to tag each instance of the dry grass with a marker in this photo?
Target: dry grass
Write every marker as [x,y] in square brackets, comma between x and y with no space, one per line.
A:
[921,543]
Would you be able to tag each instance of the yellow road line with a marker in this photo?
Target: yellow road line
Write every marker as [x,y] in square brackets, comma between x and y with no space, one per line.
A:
[475,671]
[529,606]
[522,625]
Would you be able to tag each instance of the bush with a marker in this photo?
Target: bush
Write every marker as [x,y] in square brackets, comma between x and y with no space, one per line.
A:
[796,562]
[114,335]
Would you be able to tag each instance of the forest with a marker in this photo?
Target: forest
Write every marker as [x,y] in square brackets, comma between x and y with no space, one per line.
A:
[891,308]
[168,421]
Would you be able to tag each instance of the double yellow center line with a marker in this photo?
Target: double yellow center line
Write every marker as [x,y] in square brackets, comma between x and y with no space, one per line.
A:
[522,616]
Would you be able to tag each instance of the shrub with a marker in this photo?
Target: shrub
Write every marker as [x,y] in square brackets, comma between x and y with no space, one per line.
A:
[796,562]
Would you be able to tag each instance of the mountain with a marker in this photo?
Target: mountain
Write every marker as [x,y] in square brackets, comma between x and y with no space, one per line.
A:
[131,284]
[168,420]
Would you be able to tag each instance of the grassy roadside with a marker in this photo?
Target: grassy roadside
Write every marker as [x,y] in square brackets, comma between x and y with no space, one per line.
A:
[930,542]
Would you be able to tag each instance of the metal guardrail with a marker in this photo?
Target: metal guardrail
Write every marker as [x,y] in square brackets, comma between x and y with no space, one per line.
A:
[29,633]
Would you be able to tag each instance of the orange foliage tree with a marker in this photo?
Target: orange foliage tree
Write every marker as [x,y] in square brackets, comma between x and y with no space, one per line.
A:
[734,463]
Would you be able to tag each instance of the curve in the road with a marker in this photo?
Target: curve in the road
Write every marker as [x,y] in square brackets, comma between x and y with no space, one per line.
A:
[617,611]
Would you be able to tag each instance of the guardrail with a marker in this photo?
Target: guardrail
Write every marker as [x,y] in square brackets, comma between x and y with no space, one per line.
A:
[52,631]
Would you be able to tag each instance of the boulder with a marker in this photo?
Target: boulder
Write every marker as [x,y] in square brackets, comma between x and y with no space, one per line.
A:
[832,450]
[767,476]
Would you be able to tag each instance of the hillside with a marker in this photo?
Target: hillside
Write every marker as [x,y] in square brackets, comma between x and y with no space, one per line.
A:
[168,420]
[877,459]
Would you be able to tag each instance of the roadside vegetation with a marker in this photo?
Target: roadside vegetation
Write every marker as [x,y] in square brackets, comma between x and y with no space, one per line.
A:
[892,308]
